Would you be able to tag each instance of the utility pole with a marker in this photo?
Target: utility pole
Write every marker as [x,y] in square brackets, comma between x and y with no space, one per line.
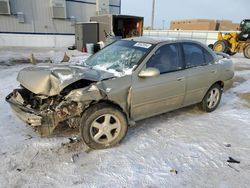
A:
[153,15]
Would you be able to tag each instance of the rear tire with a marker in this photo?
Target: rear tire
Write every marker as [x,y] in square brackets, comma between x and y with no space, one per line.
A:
[221,46]
[103,126]
[247,51]
[212,98]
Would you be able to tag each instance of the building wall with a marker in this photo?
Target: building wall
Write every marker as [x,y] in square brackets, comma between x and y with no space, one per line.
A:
[203,24]
[36,40]
[226,25]
[198,24]
[38,16]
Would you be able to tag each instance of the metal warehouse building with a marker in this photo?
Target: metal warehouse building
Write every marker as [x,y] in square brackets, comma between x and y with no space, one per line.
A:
[49,16]
[47,22]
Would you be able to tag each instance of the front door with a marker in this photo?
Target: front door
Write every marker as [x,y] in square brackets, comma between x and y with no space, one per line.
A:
[155,95]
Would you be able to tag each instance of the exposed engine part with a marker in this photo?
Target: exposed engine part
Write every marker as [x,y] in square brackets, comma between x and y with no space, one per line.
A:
[50,110]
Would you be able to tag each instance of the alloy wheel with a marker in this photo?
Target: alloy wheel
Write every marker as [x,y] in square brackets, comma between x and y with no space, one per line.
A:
[213,98]
[105,128]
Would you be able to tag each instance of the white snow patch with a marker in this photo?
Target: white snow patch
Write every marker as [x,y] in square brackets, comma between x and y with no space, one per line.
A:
[19,55]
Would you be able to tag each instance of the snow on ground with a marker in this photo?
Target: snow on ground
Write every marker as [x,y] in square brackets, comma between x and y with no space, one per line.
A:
[10,56]
[183,148]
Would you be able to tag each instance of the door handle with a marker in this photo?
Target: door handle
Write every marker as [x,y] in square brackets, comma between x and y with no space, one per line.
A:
[213,71]
[180,79]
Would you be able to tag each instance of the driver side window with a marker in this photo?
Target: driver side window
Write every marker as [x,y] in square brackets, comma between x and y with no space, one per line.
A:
[165,59]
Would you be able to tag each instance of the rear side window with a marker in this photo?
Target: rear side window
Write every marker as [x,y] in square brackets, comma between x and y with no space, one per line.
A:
[194,55]
[208,57]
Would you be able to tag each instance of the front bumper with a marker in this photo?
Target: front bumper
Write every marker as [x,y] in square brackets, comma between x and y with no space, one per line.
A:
[43,124]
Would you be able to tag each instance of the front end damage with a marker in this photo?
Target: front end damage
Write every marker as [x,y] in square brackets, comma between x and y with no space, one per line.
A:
[51,95]
[45,113]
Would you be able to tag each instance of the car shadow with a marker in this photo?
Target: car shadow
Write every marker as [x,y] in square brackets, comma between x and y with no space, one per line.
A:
[72,146]
[148,123]
[62,130]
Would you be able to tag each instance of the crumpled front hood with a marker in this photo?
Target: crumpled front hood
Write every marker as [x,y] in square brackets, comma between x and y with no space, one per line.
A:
[52,79]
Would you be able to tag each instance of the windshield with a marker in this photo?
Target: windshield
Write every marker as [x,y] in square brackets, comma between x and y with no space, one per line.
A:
[119,58]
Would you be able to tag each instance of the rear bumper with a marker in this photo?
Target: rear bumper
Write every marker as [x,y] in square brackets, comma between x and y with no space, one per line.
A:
[228,84]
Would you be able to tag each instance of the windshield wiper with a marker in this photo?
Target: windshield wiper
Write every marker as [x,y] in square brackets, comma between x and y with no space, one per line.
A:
[116,68]
[84,64]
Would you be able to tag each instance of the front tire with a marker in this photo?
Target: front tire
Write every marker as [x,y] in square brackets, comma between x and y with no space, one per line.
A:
[212,98]
[103,126]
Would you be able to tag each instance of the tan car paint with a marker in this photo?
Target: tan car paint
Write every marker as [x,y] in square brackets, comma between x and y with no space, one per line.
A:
[199,80]
[50,80]
[155,95]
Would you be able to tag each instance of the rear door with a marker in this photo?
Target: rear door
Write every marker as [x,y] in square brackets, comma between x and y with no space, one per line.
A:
[155,95]
[201,72]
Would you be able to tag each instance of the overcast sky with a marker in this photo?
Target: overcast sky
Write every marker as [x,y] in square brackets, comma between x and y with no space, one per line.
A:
[168,10]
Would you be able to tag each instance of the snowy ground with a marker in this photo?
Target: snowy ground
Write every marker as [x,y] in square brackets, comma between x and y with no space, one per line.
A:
[184,148]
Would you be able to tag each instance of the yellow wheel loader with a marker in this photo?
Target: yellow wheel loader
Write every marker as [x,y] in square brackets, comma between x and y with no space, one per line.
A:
[234,42]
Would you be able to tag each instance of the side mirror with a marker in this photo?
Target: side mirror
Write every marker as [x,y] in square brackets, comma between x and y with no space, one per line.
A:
[149,72]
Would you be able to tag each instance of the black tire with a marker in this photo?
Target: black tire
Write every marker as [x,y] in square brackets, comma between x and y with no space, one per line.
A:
[211,46]
[221,46]
[205,104]
[96,114]
[247,51]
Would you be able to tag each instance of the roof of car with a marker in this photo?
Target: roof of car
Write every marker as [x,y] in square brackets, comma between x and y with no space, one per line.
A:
[156,40]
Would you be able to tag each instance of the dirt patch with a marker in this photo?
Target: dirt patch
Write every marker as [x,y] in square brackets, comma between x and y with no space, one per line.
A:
[241,65]
[63,130]
[245,97]
[75,146]
[239,79]
[21,61]
[241,68]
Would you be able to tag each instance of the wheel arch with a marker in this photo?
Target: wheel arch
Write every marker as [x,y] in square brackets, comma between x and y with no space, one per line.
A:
[112,104]
[203,104]
[219,82]
[92,112]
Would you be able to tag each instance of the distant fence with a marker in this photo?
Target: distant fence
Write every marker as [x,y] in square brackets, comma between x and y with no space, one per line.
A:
[206,37]
[58,40]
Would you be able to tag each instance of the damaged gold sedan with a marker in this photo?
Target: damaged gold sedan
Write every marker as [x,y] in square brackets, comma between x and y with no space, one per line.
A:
[127,81]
